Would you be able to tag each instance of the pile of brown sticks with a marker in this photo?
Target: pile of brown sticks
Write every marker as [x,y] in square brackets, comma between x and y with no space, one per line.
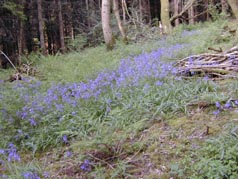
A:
[214,65]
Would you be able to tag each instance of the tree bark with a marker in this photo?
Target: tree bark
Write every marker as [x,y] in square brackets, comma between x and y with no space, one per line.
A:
[184,9]
[107,31]
[167,27]
[191,15]
[224,6]
[119,22]
[176,11]
[234,6]
[41,27]
[61,26]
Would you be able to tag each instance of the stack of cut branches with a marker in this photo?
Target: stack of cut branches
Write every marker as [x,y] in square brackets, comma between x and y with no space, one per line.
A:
[214,65]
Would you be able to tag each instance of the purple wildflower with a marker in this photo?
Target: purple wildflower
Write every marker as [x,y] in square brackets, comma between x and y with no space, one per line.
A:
[2,151]
[30,175]
[68,153]
[159,83]
[227,105]
[86,166]
[216,112]
[3,176]
[236,102]
[12,153]
[65,139]
[218,105]
[46,175]
[32,122]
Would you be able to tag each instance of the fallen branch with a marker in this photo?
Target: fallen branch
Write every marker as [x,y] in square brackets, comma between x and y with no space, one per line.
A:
[9,60]
[216,65]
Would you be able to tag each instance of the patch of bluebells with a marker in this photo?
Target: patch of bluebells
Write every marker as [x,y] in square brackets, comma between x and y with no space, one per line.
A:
[12,153]
[9,155]
[30,175]
[130,72]
[187,33]
[228,105]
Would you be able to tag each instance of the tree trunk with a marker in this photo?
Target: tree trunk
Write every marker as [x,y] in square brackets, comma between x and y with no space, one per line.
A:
[119,22]
[167,27]
[107,31]
[176,11]
[191,15]
[186,7]
[20,40]
[61,26]
[123,12]
[144,11]
[234,6]
[41,27]
[224,6]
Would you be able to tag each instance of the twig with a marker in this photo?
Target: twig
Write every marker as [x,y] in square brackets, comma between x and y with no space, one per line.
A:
[98,159]
[9,60]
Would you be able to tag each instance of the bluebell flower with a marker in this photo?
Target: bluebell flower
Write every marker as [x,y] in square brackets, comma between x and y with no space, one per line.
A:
[32,122]
[159,83]
[236,102]
[218,105]
[3,152]
[73,113]
[46,175]
[3,176]
[227,105]
[86,166]
[30,175]
[68,153]
[216,112]
[65,139]
[12,153]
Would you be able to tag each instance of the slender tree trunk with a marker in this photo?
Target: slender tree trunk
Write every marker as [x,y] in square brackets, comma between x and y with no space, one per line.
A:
[191,15]
[176,11]
[123,12]
[224,6]
[92,13]
[167,27]
[146,11]
[234,6]
[119,22]
[107,31]
[20,40]
[140,11]
[41,27]
[185,7]
[61,26]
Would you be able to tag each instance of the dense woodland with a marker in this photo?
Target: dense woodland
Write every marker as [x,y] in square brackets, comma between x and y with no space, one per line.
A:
[50,27]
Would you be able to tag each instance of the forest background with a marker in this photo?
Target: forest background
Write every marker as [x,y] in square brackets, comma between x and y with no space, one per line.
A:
[56,26]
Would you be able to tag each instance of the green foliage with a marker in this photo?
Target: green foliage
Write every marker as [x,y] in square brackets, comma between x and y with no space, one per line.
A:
[15,9]
[215,14]
[77,44]
[217,159]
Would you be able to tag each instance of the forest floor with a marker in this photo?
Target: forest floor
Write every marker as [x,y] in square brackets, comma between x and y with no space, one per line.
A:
[124,113]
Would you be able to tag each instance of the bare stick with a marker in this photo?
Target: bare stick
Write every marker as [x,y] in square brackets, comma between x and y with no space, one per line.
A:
[9,60]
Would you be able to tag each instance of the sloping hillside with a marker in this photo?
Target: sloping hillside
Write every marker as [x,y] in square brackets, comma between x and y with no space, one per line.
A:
[122,114]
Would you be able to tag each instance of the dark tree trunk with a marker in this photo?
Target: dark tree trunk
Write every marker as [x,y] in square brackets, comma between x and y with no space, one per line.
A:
[61,26]
[41,27]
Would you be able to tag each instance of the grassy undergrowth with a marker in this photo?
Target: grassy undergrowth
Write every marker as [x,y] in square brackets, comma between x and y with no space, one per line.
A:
[121,114]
